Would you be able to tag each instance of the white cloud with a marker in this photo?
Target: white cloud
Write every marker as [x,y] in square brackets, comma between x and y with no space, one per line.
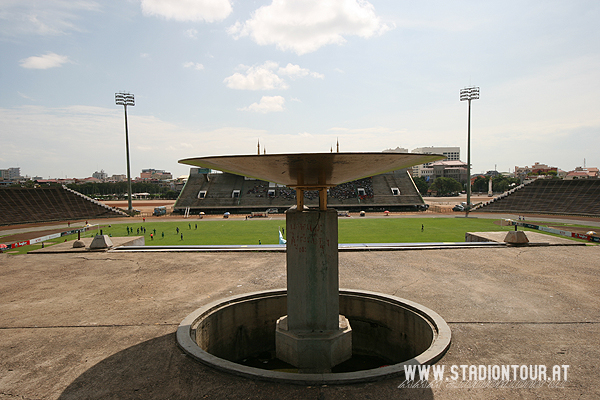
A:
[49,17]
[196,66]
[188,10]
[306,26]
[49,141]
[267,104]
[48,60]
[259,77]
[237,30]
[24,96]
[295,71]
[192,33]
[264,77]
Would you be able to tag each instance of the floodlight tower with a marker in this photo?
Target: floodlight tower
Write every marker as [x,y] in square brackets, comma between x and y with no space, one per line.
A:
[126,99]
[469,93]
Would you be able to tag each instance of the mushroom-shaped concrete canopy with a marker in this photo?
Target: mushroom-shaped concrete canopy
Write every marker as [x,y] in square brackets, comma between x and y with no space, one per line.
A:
[312,170]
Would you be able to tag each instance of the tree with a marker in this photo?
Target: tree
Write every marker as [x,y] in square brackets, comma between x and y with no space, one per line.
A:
[119,188]
[480,184]
[171,194]
[445,186]
[503,183]
[421,184]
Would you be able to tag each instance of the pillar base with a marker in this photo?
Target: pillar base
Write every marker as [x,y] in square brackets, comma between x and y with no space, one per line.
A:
[313,352]
[516,237]
[101,242]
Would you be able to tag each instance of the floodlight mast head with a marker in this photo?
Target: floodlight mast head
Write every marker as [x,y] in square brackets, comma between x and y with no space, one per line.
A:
[124,99]
[469,93]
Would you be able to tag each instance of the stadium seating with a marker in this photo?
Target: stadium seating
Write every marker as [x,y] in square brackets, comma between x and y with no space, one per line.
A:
[22,205]
[257,195]
[550,196]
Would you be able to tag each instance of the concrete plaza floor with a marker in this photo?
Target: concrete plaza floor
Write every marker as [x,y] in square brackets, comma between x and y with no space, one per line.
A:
[102,325]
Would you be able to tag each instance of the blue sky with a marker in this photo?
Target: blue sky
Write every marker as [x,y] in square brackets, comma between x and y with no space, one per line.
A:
[211,77]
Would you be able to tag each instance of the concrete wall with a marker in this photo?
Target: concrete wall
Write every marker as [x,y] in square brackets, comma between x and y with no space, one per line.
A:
[385,328]
[380,325]
[242,328]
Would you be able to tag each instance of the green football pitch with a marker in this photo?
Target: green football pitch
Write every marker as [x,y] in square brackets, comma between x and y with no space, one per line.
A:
[265,231]
[215,231]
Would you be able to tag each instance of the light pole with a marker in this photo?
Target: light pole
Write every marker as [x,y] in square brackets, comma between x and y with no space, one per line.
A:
[126,99]
[469,93]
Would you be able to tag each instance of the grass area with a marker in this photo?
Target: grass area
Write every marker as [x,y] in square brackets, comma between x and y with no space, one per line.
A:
[407,230]
[355,230]
[351,230]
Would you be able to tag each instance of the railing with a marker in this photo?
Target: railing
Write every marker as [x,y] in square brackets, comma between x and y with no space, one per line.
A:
[113,209]
[503,195]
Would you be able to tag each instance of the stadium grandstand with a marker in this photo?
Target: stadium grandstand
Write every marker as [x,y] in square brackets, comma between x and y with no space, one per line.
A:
[25,205]
[549,196]
[215,193]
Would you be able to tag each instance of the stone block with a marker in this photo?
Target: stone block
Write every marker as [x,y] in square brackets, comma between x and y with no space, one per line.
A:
[314,352]
[101,242]
[516,237]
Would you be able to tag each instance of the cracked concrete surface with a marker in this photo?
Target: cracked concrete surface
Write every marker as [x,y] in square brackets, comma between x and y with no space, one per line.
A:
[103,326]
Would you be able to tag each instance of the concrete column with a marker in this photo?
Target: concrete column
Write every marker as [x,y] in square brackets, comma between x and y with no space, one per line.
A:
[313,336]
[312,269]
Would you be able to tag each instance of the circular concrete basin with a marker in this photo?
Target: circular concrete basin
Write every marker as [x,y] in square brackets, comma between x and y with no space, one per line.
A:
[232,329]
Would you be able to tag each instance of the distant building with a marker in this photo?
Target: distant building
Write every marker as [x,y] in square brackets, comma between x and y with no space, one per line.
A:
[10,174]
[14,173]
[451,153]
[583,173]
[454,169]
[535,169]
[42,181]
[396,150]
[155,174]
[118,178]
[88,180]
[100,175]
[68,181]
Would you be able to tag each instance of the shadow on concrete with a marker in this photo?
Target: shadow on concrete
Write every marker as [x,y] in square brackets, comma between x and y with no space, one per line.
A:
[158,369]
